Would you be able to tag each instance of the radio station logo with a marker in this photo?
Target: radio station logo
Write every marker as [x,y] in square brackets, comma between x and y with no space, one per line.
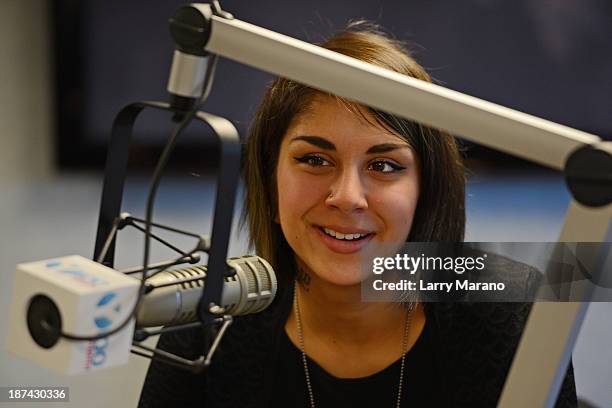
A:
[108,309]
[76,273]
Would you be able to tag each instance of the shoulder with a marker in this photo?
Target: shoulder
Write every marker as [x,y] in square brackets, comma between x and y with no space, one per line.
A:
[478,334]
[237,370]
[481,328]
[520,281]
[476,343]
[264,324]
[241,369]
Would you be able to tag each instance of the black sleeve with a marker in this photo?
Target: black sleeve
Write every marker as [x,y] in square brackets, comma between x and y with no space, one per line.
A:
[567,395]
[168,386]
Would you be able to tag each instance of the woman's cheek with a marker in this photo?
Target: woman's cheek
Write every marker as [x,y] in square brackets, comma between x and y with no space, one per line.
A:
[297,193]
[399,206]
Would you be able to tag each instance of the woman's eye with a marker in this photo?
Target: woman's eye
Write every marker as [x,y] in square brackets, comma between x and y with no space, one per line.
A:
[313,160]
[384,166]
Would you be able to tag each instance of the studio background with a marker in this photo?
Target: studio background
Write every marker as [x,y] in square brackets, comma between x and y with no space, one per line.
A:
[67,67]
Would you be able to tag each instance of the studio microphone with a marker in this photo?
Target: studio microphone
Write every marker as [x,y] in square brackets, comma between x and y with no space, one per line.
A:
[86,298]
[172,301]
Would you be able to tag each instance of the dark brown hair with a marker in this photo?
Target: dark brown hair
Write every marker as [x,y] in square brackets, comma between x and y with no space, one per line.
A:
[440,212]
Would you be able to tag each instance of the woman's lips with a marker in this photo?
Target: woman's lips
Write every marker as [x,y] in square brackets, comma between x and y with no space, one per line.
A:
[342,246]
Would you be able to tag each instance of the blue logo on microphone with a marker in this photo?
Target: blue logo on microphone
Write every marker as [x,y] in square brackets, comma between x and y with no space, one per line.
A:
[109,308]
[77,273]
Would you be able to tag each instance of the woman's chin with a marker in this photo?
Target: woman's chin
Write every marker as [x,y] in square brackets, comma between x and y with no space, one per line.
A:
[345,279]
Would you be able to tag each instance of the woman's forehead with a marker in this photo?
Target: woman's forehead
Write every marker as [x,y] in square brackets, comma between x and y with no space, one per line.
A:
[331,117]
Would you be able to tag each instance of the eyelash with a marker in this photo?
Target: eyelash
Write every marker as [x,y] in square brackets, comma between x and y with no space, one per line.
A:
[310,159]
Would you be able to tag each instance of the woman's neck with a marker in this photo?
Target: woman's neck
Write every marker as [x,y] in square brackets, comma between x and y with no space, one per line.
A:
[337,312]
[347,337]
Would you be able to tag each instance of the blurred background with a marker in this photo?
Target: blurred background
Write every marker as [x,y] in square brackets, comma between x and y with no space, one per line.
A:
[67,67]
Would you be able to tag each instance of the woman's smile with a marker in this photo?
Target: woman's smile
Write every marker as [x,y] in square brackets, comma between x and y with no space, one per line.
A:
[343,243]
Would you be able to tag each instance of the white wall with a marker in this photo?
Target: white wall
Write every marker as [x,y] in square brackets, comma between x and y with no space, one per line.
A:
[26,123]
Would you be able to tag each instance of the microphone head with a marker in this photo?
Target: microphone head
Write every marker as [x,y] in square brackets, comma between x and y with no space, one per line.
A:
[250,289]
[257,283]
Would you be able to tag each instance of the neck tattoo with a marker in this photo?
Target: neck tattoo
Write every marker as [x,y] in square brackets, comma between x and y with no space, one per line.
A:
[298,320]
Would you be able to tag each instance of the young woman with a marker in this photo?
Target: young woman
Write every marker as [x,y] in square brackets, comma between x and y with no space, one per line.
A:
[328,181]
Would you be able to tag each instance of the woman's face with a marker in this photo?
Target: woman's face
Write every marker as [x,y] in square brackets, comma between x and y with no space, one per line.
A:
[344,187]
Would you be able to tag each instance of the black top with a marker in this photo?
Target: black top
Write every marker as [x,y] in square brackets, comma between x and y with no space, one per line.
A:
[473,345]
[377,390]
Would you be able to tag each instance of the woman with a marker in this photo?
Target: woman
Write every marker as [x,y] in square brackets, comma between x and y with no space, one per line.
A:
[327,182]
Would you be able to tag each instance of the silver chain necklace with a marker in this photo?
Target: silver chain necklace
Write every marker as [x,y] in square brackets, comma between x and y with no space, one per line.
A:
[298,319]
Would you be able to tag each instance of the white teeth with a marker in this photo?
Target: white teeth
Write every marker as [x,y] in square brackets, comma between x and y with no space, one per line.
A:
[339,235]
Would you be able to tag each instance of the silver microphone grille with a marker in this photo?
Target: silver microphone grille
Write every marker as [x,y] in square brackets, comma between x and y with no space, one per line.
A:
[250,290]
[257,285]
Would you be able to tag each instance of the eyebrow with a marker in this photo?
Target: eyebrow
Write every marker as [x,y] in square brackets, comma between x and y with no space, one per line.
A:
[325,144]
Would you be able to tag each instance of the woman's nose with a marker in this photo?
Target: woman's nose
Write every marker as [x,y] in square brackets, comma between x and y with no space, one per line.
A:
[347,192]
